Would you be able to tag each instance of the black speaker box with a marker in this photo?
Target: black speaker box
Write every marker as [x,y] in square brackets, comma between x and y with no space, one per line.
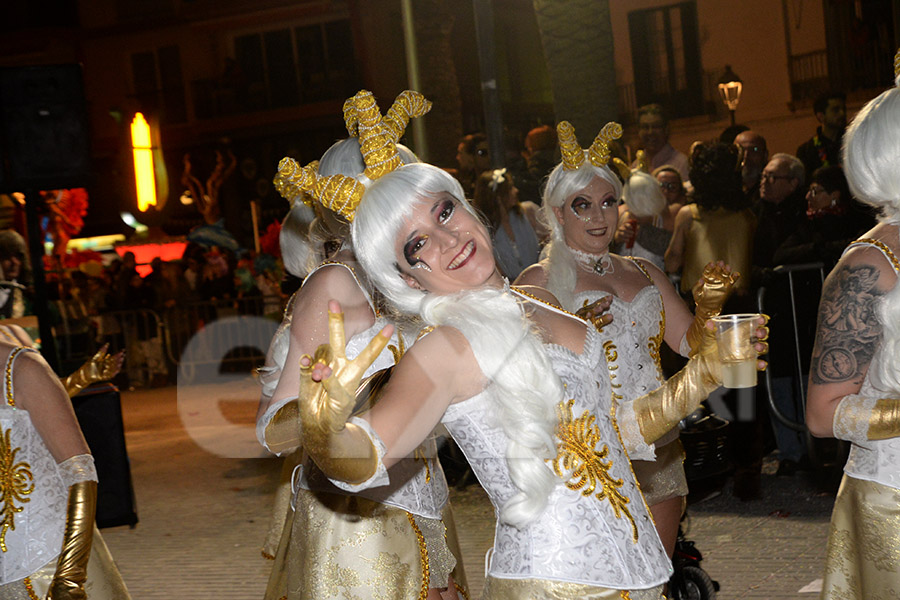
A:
[45,141]
[99,412]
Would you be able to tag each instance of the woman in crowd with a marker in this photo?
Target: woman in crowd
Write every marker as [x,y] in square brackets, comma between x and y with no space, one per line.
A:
[580,203]
[50,545]
[854,387]
[516,381]
[328,529]
[513,224]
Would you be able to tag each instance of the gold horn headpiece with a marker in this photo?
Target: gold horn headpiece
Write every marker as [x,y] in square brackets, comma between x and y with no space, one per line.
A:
[378,138]
[598,153]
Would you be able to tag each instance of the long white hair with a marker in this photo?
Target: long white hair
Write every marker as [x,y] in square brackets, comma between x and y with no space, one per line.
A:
[872,165]
[524,390]
[561,184]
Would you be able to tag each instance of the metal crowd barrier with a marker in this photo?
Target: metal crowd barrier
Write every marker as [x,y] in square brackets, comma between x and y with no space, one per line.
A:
[154,342]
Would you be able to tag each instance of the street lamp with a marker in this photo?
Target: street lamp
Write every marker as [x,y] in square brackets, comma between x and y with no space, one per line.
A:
[144,177]
[730,87]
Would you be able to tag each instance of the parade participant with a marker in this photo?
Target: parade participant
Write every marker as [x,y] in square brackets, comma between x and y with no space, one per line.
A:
[580,203]
[854,384]
[513,378]
[49,545]
[328,530]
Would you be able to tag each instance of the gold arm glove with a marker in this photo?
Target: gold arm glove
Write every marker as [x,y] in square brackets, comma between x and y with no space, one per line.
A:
[662,409]
[710,292]
[282,432]
[343,451]
[859,419]
[99,367]
[71,567]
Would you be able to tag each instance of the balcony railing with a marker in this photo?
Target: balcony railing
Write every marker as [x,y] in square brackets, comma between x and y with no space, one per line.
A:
[809,75]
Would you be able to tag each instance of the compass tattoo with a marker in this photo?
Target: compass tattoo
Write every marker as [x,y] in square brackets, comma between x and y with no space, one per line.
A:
[848,330]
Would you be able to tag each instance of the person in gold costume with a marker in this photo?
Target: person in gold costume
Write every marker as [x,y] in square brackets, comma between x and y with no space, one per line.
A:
[581,205]
[854,381]
[49,545]
[388,543]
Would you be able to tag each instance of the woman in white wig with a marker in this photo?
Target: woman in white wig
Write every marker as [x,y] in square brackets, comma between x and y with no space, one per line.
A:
[332,544]
[854,380]
[580,203]
[516,381]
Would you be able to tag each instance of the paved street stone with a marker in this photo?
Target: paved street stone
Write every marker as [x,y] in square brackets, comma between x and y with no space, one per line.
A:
[203,517]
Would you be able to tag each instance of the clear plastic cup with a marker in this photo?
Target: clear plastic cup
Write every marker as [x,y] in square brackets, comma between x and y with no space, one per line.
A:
[738,356]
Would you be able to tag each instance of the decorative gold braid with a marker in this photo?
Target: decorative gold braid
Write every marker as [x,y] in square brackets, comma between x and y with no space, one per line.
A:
[461,590]
[423,553]
[572,153]
[400,349]
[883,247]
[599,153]
[30,589]
[408,104]
[897,65]
[336,192]
[625,595]
[419,454]
[522,292]
[578,458]
[16,482]
[378,147]
[7,378]
[351,120]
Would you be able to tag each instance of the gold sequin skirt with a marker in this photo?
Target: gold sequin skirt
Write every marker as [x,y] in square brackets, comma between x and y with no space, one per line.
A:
[862,560]
[348,547]
[663,478]
[496,588]
[103,579]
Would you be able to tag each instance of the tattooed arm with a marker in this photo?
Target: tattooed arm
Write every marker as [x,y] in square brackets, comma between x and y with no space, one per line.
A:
[847,333]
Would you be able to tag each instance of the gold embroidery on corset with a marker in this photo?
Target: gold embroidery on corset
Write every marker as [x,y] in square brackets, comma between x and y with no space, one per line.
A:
[16,482]
[400,349]
[577,454]
[423,553]
[655,342]
[419,454]
[609,350]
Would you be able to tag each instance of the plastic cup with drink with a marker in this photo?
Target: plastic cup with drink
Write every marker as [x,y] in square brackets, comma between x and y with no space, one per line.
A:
[734,335]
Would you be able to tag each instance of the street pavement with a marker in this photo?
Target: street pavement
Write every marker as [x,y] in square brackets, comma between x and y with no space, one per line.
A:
[203,514]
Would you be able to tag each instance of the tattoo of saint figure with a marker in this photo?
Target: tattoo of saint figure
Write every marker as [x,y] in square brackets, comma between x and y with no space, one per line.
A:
[848,330]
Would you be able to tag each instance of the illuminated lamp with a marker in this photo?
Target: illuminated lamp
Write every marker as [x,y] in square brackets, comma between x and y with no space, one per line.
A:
[144,174]
[730,88]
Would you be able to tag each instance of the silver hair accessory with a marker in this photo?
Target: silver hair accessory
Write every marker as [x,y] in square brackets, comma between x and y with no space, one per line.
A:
[498,176]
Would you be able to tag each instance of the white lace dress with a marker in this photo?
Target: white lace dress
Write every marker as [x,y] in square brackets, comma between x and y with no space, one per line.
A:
[633,340]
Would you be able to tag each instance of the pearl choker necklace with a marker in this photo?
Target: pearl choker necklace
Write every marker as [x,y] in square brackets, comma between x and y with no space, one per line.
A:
[601,264]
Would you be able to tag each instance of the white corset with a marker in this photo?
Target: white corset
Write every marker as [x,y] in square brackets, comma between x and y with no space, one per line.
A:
[636,334]
[417,484]
[577,538]
[37,537]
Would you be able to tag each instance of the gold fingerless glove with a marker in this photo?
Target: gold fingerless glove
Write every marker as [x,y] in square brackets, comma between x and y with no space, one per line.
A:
[71,567]
[662,409]
[710,293]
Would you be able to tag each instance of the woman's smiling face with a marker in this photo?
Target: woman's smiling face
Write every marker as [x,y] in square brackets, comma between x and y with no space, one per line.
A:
[589,217]
[442,248]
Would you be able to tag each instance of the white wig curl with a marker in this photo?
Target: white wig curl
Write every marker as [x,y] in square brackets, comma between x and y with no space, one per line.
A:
[562,184]
[524,389]
[643,196]
[872,154]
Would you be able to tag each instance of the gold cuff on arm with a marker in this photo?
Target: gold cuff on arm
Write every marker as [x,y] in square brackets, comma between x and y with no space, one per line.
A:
[884,422]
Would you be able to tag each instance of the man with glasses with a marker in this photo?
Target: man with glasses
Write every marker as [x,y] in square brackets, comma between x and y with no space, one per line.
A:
[653,130]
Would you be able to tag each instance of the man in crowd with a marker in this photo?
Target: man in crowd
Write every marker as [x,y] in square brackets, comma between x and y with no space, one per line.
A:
[756,155]
[824,149]
[653,130]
